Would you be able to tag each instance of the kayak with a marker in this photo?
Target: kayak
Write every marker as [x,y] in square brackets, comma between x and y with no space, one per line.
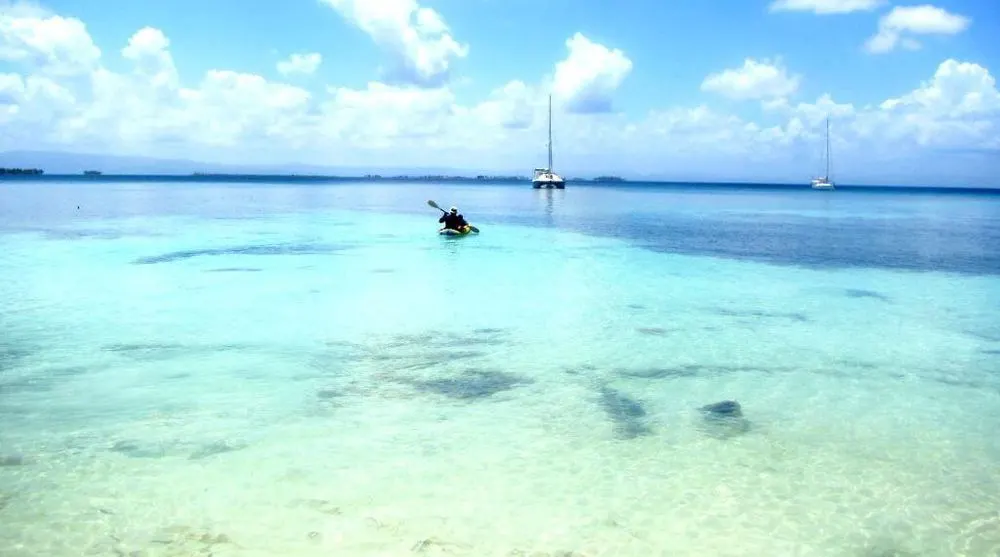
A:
[464,231]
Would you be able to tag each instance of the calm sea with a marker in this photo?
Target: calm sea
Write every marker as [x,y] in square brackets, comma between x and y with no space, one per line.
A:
[306,368]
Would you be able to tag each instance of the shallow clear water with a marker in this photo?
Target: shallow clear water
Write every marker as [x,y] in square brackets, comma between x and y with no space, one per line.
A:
[298,370]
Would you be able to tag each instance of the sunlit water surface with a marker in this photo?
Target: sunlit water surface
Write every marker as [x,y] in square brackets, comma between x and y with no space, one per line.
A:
[306,370]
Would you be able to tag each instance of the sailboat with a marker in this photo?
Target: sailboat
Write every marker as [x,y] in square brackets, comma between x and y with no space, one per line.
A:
[825,183]
[545,177]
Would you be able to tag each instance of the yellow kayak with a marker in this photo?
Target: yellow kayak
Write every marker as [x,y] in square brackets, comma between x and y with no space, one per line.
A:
[464,231]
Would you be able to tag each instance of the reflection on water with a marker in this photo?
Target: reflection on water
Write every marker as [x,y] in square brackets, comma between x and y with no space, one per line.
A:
[551,198]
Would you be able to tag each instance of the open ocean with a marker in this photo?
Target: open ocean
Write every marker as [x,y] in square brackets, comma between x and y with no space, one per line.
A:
[307,369]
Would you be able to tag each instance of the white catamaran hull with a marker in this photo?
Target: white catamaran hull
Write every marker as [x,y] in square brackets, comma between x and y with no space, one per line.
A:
[548,180]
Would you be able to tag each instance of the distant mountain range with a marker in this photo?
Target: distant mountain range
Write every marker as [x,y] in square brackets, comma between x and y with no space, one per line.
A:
[56,163]
[77,163]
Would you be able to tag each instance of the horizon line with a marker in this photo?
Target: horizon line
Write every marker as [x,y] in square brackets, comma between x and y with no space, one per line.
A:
[614,181]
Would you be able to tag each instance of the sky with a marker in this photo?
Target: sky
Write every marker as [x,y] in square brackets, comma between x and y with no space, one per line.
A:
[671,89]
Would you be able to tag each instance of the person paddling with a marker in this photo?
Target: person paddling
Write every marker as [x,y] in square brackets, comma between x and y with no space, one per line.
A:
[453,220]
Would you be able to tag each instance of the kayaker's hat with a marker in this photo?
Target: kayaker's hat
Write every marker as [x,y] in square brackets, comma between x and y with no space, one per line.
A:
[454,209]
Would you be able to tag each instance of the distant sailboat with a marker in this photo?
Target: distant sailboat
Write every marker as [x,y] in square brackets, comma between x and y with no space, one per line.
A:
[825,183]
[545,177]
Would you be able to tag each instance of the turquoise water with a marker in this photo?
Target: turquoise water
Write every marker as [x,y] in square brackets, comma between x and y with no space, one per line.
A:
[305,370]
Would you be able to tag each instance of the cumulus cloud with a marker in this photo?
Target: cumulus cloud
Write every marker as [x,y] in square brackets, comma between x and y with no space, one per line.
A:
[148,50]
[514,106]
[589,76]
[812,113]
[417,38]
[825,7]
[300,63]
[895,28]
[379,115]
[52,97]
[582,85]
[693,129]
[959,105]
[47,43]
[958,89]
[754,80]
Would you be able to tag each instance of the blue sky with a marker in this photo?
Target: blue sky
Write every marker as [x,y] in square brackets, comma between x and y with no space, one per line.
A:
[636,97]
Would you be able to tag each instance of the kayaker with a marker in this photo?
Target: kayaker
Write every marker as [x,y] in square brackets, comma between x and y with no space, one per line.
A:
[453,220]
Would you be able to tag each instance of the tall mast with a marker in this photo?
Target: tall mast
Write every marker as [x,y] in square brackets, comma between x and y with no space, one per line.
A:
[550,133]
[827,147]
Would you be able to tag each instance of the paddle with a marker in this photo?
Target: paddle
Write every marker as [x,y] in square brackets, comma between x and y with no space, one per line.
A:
[435,205]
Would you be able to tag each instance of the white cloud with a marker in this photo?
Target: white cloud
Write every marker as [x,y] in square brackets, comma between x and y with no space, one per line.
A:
[959,105]
[914,20]
[582,85]
[812,113]
[228,116]
[958,89]
[46,43]
[694,129]
[755,80]
[11,89]
[417,38]
[148,50]
[586,80]
[378,116]
[825,7]
[300,63]
[513,106]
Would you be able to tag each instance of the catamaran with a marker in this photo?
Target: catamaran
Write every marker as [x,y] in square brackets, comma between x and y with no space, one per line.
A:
[545,177]
[825,183]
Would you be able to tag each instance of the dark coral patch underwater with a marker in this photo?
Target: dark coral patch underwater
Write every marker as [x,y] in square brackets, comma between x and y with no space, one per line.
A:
[263,249]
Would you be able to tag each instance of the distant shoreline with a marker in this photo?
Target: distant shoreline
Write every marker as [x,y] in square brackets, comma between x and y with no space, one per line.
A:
[36,175]
[95,174]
